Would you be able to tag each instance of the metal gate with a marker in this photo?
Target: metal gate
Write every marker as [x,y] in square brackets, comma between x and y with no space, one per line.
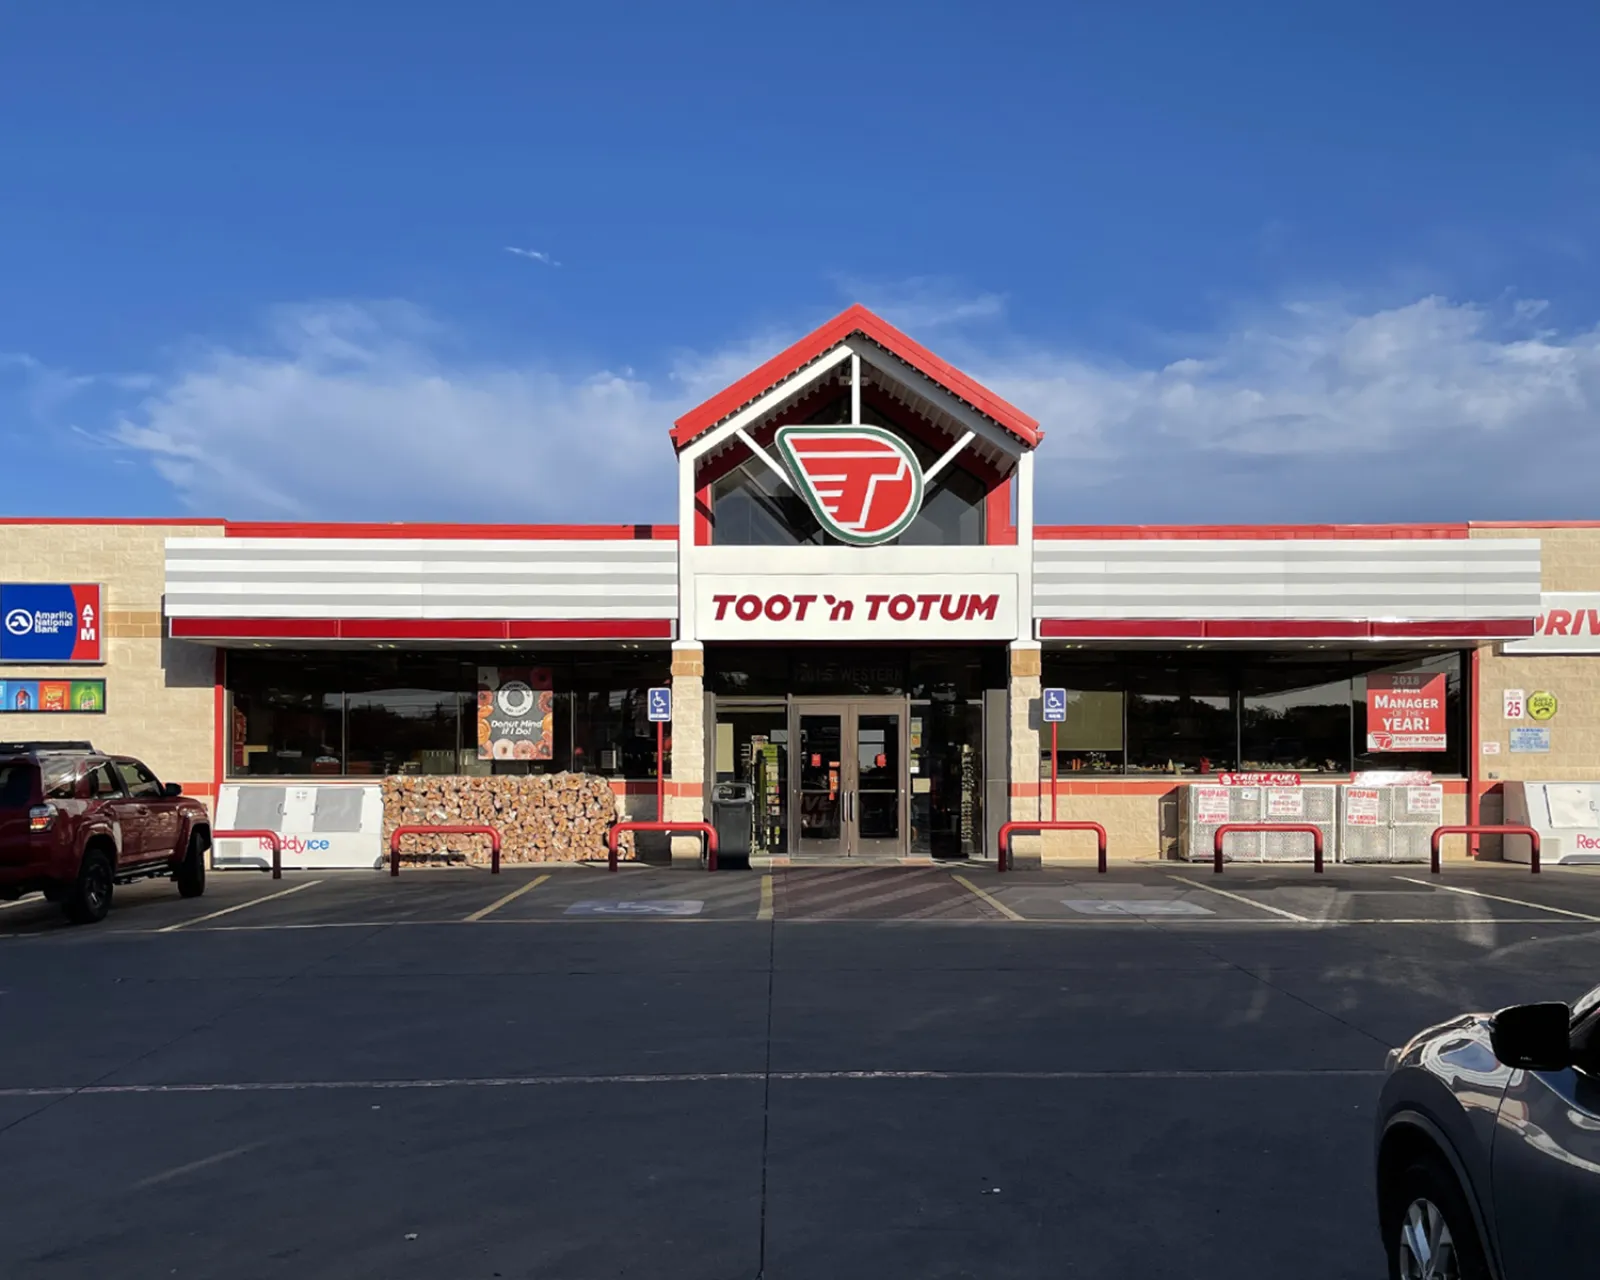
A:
[1204,807]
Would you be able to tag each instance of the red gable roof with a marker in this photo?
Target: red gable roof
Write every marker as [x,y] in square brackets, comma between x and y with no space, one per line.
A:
[816,343]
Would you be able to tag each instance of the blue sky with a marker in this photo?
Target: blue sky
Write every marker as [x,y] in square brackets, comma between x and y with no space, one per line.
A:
[1245,261]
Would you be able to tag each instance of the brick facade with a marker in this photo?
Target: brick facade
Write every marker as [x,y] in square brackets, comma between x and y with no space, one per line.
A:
[160,693]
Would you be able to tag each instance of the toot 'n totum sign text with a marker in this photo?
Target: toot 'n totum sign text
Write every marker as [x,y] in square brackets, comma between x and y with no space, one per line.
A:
[908,607]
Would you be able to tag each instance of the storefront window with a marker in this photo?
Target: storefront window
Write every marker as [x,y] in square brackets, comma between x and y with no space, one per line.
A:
[404,715]
[287,714]
[611,729]
[1451,756]
[1307,712]
[370,714]
[1181,718]
[1295,715]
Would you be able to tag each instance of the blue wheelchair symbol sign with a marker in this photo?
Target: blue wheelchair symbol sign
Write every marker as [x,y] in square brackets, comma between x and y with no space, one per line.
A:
[660,705]
[1055,706]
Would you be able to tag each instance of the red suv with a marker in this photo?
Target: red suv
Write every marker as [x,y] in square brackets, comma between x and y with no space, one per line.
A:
[74,822]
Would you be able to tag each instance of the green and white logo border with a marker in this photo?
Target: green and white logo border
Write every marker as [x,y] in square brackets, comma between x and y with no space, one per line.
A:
[808,490]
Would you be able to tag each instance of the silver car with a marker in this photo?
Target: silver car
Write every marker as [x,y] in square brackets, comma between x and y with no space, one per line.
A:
[1489,1147]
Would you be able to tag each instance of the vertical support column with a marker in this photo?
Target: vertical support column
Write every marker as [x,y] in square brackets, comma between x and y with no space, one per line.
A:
[686,780]
[1025,780]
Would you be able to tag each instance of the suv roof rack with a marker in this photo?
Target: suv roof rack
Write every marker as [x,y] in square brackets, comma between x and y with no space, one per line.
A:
[42,748]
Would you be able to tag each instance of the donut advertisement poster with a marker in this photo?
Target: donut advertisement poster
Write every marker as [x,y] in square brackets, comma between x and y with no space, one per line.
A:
[516,711]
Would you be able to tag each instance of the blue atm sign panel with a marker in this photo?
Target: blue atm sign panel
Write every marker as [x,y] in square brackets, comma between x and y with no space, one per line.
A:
[55,622]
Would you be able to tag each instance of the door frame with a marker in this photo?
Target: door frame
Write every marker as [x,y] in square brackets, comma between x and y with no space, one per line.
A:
[850,710]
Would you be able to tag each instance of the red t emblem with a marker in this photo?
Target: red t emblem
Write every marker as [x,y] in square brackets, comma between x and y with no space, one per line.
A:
[863,484]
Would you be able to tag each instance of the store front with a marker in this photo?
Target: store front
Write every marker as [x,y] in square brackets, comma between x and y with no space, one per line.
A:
[857,614]
[857,752]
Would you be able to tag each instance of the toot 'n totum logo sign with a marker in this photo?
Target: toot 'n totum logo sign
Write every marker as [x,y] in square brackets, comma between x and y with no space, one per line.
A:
[863,484]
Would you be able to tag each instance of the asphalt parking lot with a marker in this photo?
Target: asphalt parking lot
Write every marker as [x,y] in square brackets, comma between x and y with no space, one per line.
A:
[872,1072]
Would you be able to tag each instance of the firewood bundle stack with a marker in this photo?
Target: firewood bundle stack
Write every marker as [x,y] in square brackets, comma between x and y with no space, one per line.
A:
[560,817]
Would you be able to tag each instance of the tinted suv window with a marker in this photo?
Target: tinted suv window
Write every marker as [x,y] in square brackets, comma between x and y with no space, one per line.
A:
[103,782]
[141,783]
[60,778]
[16,786]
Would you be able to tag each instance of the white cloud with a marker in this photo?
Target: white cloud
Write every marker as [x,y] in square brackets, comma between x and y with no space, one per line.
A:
[535,254]
[354,412]
[1308,412]
[1312,412]
[923,302]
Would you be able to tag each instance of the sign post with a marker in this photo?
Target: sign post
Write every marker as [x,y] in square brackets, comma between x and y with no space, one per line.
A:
[1055,711]
[660,708]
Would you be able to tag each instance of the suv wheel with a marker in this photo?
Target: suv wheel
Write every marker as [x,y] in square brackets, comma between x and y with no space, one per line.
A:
[89,897]
[191,872]
[1429,1232]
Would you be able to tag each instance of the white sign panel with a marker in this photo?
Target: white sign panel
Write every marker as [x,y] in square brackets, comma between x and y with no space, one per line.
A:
[1569,622]
[1516,703]
[910,607]
[1425,800]
[1362,806]
[1285,804]
[1210,805]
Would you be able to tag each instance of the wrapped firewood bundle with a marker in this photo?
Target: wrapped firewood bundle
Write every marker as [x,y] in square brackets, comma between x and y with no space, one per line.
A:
[560,817]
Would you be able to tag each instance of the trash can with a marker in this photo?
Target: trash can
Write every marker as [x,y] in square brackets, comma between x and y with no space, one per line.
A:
[732,808]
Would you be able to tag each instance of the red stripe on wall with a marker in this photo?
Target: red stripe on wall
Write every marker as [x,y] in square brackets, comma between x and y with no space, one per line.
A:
[1067,532]
[421,629]
[1142,787]
[531,532]
[1278,629]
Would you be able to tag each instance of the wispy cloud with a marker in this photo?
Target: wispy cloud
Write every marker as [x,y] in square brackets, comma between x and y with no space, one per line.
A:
[1308,411]
[534,254]
[923,302]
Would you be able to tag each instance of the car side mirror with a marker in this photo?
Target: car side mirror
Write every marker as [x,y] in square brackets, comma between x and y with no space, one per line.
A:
[171,789]
[1533,1037]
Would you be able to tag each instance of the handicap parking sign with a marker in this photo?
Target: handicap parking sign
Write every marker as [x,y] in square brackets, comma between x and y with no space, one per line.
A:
[1055,706]
[660,705]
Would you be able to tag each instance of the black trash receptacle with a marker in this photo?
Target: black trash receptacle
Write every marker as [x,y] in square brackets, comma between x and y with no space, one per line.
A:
[732,807]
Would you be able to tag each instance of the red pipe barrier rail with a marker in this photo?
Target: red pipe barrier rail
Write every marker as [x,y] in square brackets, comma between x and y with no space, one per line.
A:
[1315,833]
[1478,829]
[1003,862]
[469,830]
[273,836]
[685,828]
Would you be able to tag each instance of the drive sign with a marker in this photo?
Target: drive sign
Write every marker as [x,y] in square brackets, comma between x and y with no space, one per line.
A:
[50,622]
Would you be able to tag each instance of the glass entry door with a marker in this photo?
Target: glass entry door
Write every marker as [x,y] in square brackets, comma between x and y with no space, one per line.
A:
[851,765]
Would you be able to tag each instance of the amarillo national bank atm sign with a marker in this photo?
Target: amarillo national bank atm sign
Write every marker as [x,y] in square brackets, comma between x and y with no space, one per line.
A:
[53,622]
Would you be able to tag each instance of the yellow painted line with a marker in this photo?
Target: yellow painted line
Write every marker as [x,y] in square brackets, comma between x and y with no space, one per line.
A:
[1249,902]
[1495,897]
[764,912]
[994,902]
[27,900]
[510,897]
[228,911]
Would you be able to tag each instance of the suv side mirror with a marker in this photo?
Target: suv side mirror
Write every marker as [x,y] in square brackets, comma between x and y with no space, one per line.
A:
[1533,1037]
[171,789]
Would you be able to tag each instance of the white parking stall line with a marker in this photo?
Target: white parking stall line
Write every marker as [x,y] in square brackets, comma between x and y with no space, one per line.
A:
[1249,902]
[1495,897]
[228,911]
